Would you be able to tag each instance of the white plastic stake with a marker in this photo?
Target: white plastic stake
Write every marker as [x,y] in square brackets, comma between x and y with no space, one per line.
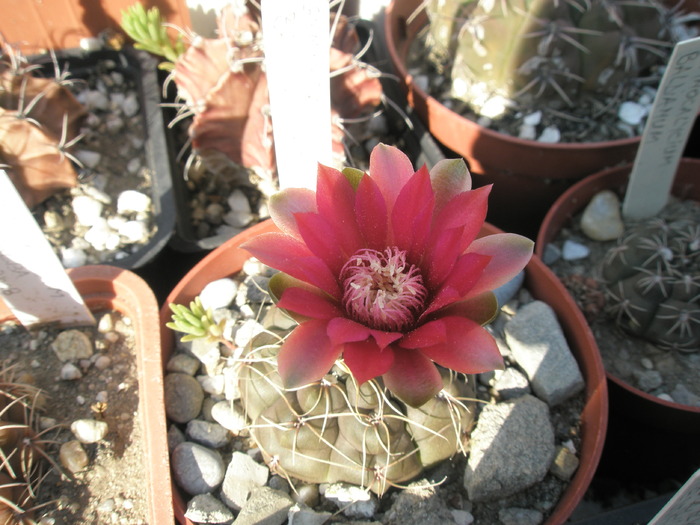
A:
[665,134]
[33,283]
[297,61]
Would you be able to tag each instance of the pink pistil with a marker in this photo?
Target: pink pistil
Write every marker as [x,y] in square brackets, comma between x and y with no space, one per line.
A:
[381,290]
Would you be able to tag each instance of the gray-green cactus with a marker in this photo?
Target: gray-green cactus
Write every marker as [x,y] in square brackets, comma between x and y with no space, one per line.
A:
[544,53]
[653,282]
[336,430]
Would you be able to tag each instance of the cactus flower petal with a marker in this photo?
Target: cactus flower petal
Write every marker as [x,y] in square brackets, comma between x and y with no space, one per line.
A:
[510,253]
[413,377]
[366,360]
[306,355]
[388,266]
[469,348]
[285,204]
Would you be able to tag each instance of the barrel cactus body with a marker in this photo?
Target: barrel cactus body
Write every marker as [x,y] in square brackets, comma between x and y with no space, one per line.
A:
[653,282]
[334,430]
[540,53]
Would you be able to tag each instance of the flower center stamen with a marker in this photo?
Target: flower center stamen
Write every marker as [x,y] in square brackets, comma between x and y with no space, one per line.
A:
[381,290]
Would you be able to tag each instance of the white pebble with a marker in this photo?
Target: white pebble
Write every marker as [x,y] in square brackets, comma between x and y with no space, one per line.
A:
[98,234]
[238,201]
[134,231]
[550,135]
[95,99]
[632,113]
[70,372]
[533,119]
[527,132]
[574,250]
[133,165]
[647,363]
[130,106]
[89,159]
[219,293]
[89,430]
[133,201]
[90,44]
[73,257]
[87,210]
[102,362]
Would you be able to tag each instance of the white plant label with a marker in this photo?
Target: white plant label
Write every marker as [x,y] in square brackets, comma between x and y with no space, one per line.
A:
[297,60]
[684,507]
[665,134]
[33,282]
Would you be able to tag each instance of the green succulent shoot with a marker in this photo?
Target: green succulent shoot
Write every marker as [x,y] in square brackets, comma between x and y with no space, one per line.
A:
[196,322]
[149,32]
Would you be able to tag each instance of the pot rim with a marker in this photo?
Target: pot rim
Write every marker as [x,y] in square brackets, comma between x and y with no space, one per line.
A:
[228,258]
[397,51]
[573,200]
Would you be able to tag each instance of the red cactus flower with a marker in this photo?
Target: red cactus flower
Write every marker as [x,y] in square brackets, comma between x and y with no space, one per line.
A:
[385,269]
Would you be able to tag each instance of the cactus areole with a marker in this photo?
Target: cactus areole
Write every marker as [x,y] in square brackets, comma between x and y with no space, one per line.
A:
[384,269]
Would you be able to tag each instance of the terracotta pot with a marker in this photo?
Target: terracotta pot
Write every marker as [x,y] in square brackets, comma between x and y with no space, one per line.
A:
[686,185]
[61,24]
[110,288]
[527,175]
[229,258]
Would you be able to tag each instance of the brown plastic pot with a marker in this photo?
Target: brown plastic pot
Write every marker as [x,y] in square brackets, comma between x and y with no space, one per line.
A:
[104,287]
[38,26]
[228,259]
[633,402]
[527,175]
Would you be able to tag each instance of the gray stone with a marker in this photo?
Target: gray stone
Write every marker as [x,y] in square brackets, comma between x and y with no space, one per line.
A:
[305,516]
[565,464]
[682,395]
[507,291]
[266,506]
[243,476]
[419,504]
[647,380]
[601,220]
[540,348]
[196,469]
[552,254]
[205,508]
[512,448]
[183,364]
[511,383]
[71,345]
[354,501]
[183,397]
[229,415]
[206,433]
[253,290]
[518,516]
[462,517]
[572,251]
[175,437]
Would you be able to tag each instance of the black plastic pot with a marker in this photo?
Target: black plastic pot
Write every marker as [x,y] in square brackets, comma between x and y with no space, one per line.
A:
[411,136]
[141,69]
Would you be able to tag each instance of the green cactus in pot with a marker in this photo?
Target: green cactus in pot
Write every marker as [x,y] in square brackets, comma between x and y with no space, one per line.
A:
[653,282]
[531,55]
[386,287]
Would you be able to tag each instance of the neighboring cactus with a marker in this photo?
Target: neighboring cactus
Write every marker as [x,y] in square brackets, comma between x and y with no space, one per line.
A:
[39,122]
[334,430]
[21,446]
[653,282]
[224,87]
[536,54]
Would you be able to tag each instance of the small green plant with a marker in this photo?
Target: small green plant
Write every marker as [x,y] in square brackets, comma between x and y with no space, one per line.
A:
[195,321]
[149,32]
[653,282]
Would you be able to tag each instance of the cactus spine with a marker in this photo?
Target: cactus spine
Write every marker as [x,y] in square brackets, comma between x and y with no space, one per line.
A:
[653,282]
[536,54]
